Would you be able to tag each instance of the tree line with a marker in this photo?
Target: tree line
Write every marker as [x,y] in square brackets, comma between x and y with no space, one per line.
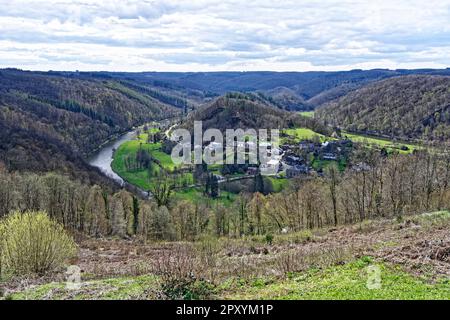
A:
[379,187]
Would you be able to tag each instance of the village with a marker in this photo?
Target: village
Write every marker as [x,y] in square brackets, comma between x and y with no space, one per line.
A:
[289,160]
[226,171]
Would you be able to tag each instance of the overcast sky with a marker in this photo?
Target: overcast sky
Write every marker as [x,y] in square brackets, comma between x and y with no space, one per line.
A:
[224,35]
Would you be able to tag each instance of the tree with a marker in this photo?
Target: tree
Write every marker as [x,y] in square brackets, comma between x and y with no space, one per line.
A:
[208,184]
[117,213]
[256,209]
[199,172]
[258,183]
[95,220]
[154,223]
[161,189]
[241,216]
[332,178]
[184,220]
[215,190]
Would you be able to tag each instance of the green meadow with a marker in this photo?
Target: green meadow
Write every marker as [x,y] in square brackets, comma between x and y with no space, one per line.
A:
[381,142]
[299,134]
[309,114]
[143,177]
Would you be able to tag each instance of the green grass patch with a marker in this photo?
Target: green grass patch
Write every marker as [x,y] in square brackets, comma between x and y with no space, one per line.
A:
[432,219]
[121,288]
[278,184]
[322,164]
[346,282]
[381,142]
[196,195]
[299,134]
[153,130]
[143,177]
[309,114]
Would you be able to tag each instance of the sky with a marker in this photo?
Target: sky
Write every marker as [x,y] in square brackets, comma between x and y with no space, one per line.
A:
[225,35]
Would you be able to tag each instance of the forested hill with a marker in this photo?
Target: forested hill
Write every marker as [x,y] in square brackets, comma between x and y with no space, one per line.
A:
[51,123]
[248,111]
[412,107]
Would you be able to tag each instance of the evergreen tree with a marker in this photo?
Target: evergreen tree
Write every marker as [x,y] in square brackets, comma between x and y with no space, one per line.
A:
[208,184]
[214,183]
[259,183]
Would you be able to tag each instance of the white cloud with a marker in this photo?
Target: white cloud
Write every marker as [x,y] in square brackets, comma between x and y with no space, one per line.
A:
[223,35]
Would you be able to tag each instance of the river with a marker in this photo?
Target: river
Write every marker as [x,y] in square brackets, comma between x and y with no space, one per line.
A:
[104,157]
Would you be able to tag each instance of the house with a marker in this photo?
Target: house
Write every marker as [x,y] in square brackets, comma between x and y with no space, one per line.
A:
[296,171]
[293,160]
[252,170]
[306,145]
[219,178]
[286,147]
[329,156]
[329,147]
[271,167]
[276,151]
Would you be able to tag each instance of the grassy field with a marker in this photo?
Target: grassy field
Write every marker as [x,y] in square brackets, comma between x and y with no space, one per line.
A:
[383,143]
[142,178]
[322,164]
[343,283]
[302,134]
[196,195]
[278,184]
[299,134]
[309,114]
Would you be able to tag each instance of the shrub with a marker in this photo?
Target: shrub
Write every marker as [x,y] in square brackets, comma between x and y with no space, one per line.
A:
[269,239]
[33,243]
[181,275]
[301,259]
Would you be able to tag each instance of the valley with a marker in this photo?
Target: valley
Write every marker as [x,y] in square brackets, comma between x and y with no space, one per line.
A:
[225,159]
[89,156]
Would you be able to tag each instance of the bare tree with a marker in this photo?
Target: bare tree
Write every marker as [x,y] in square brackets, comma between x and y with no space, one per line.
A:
[161,189]
[332,178]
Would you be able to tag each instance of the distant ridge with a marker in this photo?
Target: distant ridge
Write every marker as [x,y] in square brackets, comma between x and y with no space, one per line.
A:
[307,90]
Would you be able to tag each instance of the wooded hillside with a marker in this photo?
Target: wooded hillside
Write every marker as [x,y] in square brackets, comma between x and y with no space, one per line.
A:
[412,107]
[239,110]
[52,122]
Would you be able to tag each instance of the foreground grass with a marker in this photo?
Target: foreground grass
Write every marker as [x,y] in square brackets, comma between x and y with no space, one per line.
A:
[323,280]
[344,282]
[107,289]
[347,282]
